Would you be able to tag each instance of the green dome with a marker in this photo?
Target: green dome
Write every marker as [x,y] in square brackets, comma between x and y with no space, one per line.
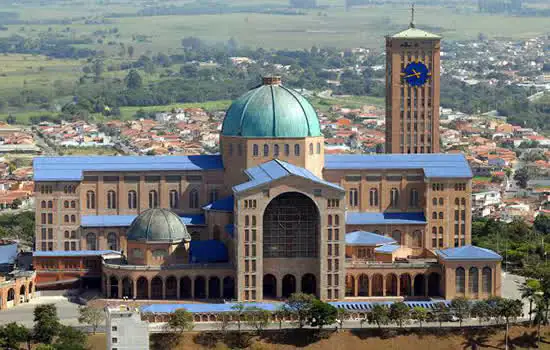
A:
[271,110]
[158,225]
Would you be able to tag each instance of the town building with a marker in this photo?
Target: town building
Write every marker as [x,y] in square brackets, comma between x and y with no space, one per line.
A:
[125,329]
[17,284]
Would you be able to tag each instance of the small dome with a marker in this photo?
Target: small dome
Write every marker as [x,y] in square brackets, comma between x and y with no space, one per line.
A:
[158,225]
[271,110]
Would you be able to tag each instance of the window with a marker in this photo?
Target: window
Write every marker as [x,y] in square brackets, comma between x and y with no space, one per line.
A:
[67,235]
[440,215]
[111,200]
[318,147]
[112,241]
[91,241]
[159,253]
[66,204]
[214,194]
[434,215]
[66,219]
[230,149]
[153,199]
[394,198]
[276,150]
[253,220]
[353,197]
[311,148]
[473,280]
[90,200]
[460,279]
[336,220]
[434,201]
[441,201]
[174,199]
[255,150]
[330,220]
[296,149]
[373,197]
[396,235]
[50,219]
[137,253]
[50,204]
[73,204]
[43,218]
[194,199]
[487,280]
[43,204]
[266,150]
[417,239]
[73,218]
[414,198]
[132,199]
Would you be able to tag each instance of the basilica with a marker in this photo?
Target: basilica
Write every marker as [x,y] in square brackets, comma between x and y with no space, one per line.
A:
[271,214]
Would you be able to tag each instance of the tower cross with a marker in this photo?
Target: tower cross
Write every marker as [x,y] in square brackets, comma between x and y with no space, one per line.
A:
[412,25]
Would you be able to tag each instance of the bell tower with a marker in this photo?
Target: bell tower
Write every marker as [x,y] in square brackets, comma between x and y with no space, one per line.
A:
[412,91]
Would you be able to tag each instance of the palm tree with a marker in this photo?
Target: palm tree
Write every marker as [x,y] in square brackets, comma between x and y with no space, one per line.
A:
[528,289]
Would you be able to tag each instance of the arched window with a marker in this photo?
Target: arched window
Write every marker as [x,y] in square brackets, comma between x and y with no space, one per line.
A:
[473,280]
[50,204]
[396,235]
[66,218]
[441,201]
[275,150]
[487,280]
[266,150]
[353,197]
[91,241]
[287,149]
[111,200]
[214,194]
[296,149]
[414,198]
[112,241]
[73,218]
[336,220]
[153,199]
[434,201]
[253,220]
[230,149]
[194,199]
[73,204]
[373,197]
[246,220]
[463,201]
[311,148]
[90,200]
[43,204]
[434,215]
[457,201]
[66,204]
[255,150]
[417,239]
[318,147]
[394,198]
[174,199]
[132,199]
[329,221]
[460,280]
[440,215]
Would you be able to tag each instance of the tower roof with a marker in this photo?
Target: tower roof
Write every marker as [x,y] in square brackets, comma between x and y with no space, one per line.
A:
[414,33]
[271,110]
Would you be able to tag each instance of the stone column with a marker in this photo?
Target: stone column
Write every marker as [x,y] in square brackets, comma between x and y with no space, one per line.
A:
[279,287]
[192,287]
[120,288]
[178,294]
[412,286]
[355,286]
[108,291]
[467,283]
[383,285]
[149,289]
[398,279]
[163,289]
[134,287]
[370,285]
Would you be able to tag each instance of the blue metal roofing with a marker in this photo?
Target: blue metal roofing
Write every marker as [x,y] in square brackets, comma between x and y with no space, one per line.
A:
[72,168]
[210,251]
[57,253]
[386,249]
[224,204]
[468,252]
[8,253]
[278,169]
[126,220]
[367,238]
[384,218]
[433,165]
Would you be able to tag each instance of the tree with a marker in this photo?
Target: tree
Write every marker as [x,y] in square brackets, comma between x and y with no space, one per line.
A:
[419,314]
[322,314]
[542,223]
[46,323]
[299,305]
[481,310]
[70,339]
[461,308]
[281,314]
[441,313]
[14,334]
[224,321]
[379,314]
[180,321]
[509,309]
[257,318]
[133,80]
[522,177]
[16,203]
[238,311]
[91,316]
[399,313]
[529,289]
[98,68]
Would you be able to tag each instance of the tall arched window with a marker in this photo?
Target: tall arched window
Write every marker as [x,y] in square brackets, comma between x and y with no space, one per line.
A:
[457,201]
[318,147]
[441,215]
[434,215]
[417,239]
[230,149]
[255,150]
[396,235]
[214,195]
[275,150]
[434,201]
[194,199]
[153,199]
[91,241]
[50,204]
[394,198]
[414,198]
[296,149]
[111,199]
[373,197]
[66,204]
[253,220]
[460,279]
[174,199]
[73,218]
[287,149]
[336,220]
[43,204]
[66,218]
[329,223]
[246,220]
[90,200]
[112,241]
[73,204]
[311,148]
[266,150]
[441,236]
[132,199]
[473,280]
[353,197]
[487,280]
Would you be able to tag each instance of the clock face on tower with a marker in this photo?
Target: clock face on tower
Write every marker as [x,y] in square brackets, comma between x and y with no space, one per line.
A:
[416,73]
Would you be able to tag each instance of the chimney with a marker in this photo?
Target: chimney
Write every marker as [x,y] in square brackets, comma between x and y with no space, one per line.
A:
[271,80]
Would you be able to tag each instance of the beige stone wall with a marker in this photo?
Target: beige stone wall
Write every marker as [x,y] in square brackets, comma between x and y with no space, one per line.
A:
[449,268]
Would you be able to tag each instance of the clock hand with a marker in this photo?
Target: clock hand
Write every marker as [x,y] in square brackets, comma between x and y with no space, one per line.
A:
[413,75]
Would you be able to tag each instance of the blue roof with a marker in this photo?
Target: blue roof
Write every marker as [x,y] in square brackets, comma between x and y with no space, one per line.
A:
[8,253]
[434,165]
[72,168]
[210,251]
[224,204]
[367,238]
[278,169]
[388,248]
[468,252]
[385,218]
[56,253]
[126,220]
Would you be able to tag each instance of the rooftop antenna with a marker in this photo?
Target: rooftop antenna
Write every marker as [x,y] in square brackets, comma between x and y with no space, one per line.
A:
[412,24]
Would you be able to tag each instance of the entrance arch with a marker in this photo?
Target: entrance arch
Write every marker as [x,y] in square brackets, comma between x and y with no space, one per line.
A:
[391,285]
[156,288]
[363,286]
[377,285]
[419,285]
[228,287]
[289,285]
[22,293]
[270,286]
[127,288]
[309,284]
[171,288]
[142,288]
[405,285]
[214,286]
[114,287]
[434,282]
[185,288]
[11,295]
[200,287]
[291,227]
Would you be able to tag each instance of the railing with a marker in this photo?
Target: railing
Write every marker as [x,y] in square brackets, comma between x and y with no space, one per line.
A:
[384,265]
[168,267]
